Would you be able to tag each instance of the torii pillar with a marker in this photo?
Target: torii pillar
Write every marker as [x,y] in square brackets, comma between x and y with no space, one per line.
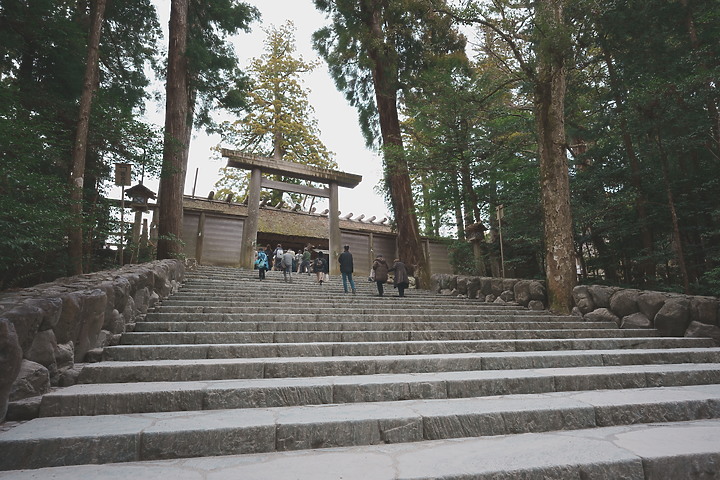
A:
[334,237]
[271,166]
[250,227]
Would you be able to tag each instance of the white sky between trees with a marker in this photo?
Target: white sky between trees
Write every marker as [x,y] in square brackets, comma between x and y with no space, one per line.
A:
[339,129]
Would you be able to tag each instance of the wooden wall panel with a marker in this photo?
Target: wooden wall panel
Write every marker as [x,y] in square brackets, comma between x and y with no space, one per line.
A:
[223,236]
[360,248]
[439,258]
[387,246]
[189,235]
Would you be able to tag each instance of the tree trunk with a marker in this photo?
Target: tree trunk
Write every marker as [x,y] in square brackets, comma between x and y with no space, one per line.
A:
[677,239]
[554,177]
[459,221]
[79,151]
[608,264]
[427,206]
[472,210]
[175,151]
[384,71]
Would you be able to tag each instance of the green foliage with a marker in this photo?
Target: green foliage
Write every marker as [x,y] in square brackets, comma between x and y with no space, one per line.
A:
[178,242]
[468,141]
[42,59]
[278,119]
[642,136]
[644,103]
[462,258]
[414,37]
[641,121]
[215,79]
[33,198]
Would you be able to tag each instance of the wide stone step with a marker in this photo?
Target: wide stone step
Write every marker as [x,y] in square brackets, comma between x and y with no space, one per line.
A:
[234,368]
[323,299]
[337,308]
[217,314]
[679,450]
[330,349]
[304,282]
[173,338]
[122,398]
[232,326]
[50,442]
[389,299]
[332,292]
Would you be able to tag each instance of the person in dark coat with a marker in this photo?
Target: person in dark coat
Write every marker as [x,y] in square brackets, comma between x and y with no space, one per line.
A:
[320,266]
[346,268]
[380,267]
[269,255]
[400,278]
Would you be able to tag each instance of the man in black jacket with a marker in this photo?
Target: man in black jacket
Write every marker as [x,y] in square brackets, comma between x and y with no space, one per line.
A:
[346,268]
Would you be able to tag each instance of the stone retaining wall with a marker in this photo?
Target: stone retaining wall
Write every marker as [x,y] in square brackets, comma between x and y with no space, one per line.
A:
[672,314]
[528,293]
[46,329]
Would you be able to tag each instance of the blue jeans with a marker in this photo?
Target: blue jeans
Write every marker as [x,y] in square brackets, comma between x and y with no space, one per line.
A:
[346,277]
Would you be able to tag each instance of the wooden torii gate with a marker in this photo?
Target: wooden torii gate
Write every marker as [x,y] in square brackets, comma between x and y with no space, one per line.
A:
[271,166]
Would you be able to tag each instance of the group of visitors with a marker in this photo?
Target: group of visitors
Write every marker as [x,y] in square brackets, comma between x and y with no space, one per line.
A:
[380,274]
[288,261]
[283,260]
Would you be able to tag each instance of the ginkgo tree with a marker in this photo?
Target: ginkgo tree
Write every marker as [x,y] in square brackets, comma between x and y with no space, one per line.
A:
[279,120]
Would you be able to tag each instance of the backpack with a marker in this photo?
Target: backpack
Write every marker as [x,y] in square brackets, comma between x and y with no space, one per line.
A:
[260,261]
[279,253]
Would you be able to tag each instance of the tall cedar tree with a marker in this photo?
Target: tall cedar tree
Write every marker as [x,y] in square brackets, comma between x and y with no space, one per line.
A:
[279,120]
[373,48]
[549,92]
[77,177]
[202,74]
[468,122]
[177,124]
[544,68]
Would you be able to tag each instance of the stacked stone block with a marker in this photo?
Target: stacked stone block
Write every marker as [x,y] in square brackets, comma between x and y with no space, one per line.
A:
[671,314]
[51,329]
[526,293]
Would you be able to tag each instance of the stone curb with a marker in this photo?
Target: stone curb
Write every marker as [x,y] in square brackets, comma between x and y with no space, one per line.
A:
[119,398]
[342,326]
[222,369]
[43,442]
[248,350]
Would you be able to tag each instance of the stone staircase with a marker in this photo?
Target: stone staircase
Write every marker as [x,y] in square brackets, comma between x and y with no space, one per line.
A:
[237,378]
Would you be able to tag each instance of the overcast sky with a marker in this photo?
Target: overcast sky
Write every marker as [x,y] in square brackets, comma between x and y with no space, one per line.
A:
[337,121]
